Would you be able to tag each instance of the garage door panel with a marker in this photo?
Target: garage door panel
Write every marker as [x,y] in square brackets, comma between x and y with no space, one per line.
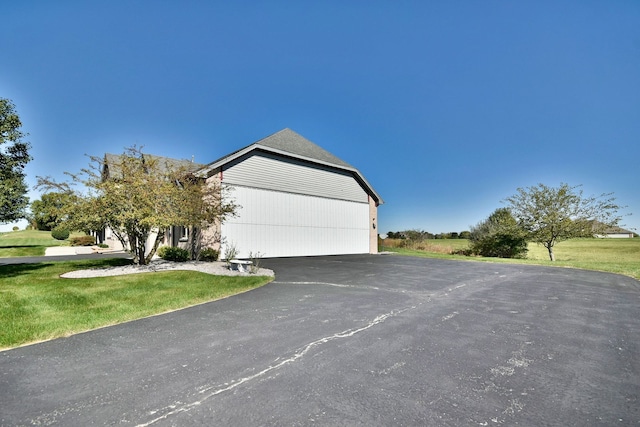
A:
[284,224]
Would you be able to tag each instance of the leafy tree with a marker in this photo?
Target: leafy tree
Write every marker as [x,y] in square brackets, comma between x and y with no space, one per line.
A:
[13,158]
[202,205]
[139,197]
[47,213]
[551,215]
[465,235]
[395,235]
[498,236]
[415,235]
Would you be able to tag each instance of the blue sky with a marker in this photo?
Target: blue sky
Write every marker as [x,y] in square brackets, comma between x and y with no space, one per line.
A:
[446,107]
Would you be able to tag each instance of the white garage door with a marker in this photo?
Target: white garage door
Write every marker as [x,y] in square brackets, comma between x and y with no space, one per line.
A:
[278,224]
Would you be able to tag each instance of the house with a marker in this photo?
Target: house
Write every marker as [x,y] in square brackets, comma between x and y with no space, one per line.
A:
[601,230]
[615,233]
[296,199]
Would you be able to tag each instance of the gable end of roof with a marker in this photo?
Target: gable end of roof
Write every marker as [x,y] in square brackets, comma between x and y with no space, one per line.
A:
[287,143]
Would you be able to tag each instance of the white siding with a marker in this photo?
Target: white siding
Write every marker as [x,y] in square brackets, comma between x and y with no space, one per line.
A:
[269,172]
[284,224]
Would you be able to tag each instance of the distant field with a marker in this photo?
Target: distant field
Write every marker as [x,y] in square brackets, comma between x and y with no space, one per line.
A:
[27,243]
[430,245]
[620,256]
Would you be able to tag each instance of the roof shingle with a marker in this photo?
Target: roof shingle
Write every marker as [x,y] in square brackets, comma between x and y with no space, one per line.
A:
[291,142]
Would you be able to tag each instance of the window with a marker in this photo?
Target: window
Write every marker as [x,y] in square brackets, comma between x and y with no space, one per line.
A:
[182,233]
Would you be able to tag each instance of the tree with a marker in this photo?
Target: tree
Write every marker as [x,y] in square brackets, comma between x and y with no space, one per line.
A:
[202,205]
[139,197]
[395,235]
[551,215]
[47,213]
[13,158]
[498,236]
[415,235]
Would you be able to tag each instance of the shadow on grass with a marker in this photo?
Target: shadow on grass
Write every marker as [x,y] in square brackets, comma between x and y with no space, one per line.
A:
[13,270]
[23,246]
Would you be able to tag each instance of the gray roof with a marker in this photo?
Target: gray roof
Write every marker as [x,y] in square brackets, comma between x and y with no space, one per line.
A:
[164,164]
[608,229]
[294,143]
[291,144]
[617,230]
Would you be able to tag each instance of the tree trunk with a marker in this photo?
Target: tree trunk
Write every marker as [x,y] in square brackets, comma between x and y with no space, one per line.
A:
[138,249]
[133,248]
[154,248]
[195,243]
[552,256]
[142,249]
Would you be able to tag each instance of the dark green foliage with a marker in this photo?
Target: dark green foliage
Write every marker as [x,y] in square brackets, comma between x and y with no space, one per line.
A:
[465,235]
[46,213]
[13,158]
[499,236]
[60,233]
[161,251]
[172,253]
[83,241]
[465,252]
[209,255]
[395,235]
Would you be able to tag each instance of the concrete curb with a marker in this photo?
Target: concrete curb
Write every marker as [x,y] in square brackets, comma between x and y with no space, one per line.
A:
[73,250]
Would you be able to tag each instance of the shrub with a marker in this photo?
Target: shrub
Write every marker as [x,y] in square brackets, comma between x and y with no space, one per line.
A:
[172,253]
[230,252]
[209,255]
[465,252]
[59,233]
[255,258]
[103,245]
[15,228]
[83,240]
[499,236]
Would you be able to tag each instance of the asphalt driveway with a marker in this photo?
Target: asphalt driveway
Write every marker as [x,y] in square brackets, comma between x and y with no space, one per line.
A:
[354,340]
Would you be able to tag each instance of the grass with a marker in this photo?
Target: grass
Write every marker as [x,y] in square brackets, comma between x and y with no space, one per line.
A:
[36,304]
[621,256]
[28,243]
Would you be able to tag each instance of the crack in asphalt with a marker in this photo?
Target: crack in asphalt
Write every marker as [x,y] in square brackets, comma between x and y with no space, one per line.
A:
[210,392]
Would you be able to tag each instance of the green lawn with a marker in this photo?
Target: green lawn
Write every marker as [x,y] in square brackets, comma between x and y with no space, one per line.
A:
[27,243]
[36,304]
[620,256]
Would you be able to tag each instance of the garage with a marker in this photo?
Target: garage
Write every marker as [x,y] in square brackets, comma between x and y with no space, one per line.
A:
[296,199]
